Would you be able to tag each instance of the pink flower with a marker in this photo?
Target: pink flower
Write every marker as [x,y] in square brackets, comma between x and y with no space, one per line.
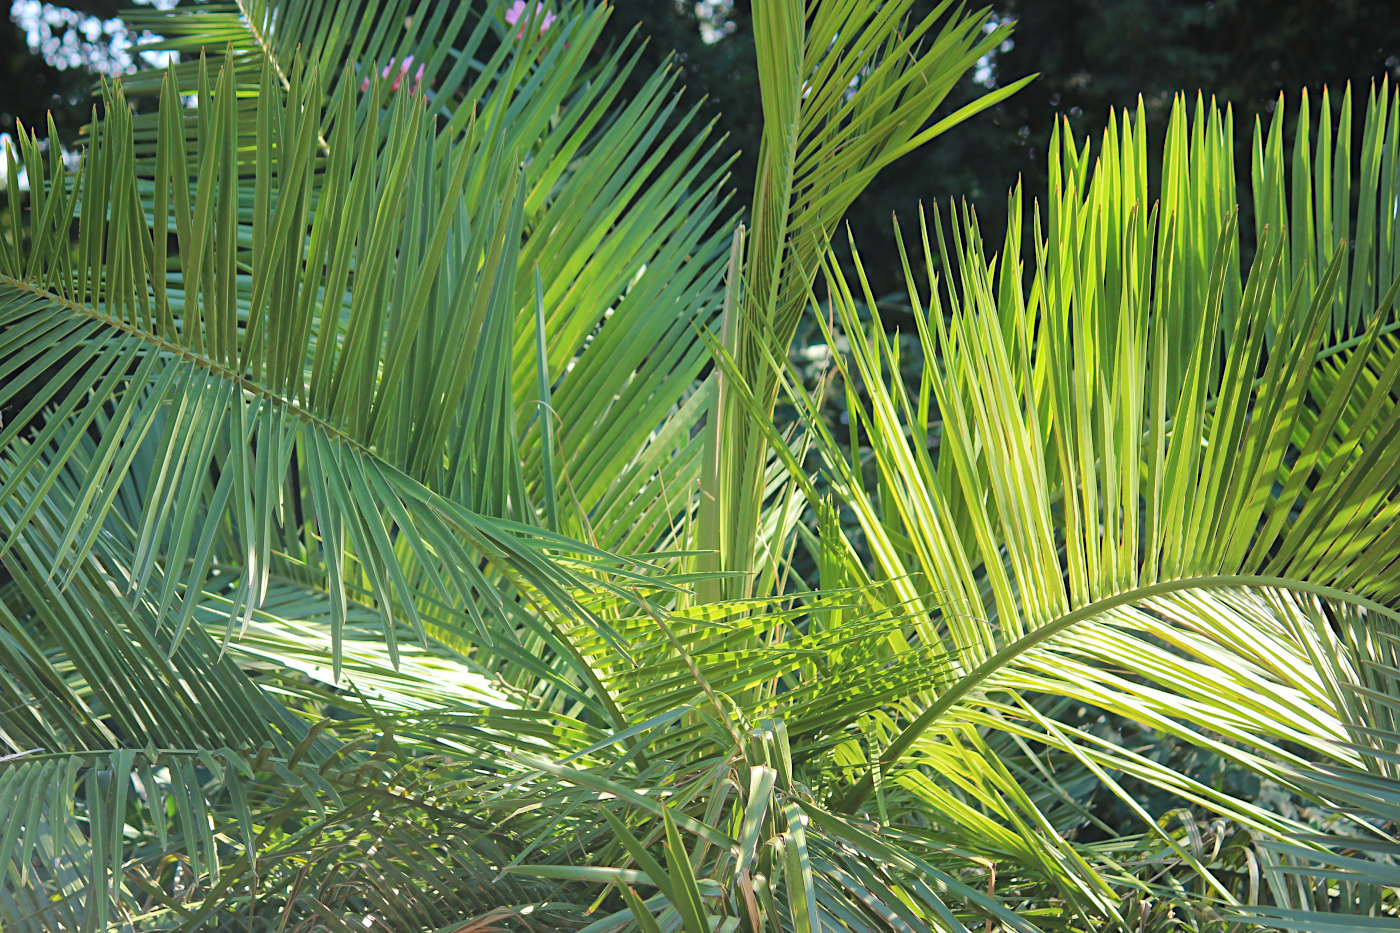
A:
[517,12]
[398,78]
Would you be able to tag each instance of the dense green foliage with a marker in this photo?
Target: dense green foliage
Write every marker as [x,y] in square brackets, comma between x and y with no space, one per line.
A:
[401,536]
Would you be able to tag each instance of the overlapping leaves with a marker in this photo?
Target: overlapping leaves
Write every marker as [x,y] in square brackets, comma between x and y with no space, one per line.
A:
[1134,477]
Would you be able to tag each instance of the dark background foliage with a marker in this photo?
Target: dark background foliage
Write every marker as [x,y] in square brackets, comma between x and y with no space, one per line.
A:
[1091,55]
[37,69]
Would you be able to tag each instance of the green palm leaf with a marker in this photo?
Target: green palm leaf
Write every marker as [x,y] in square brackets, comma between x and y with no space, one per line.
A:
[133,337]
[617,218]
[848,87]
[284,365]
[1133,478]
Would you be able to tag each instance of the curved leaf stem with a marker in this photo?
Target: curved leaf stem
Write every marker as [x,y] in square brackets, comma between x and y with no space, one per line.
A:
[979,675]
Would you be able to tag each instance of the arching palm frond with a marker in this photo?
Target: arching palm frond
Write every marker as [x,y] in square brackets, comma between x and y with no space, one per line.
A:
[311,374]
[309,378]
[156,785]
[1342,876]
[1136,478]
[622,223]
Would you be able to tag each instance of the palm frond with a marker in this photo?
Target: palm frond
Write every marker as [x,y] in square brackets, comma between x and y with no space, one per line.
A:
[1132,478]
[847,88]
[618,219]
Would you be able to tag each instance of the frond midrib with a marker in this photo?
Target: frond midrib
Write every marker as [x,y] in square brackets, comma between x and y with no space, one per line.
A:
[264,46]
[185,353]
[966,684]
